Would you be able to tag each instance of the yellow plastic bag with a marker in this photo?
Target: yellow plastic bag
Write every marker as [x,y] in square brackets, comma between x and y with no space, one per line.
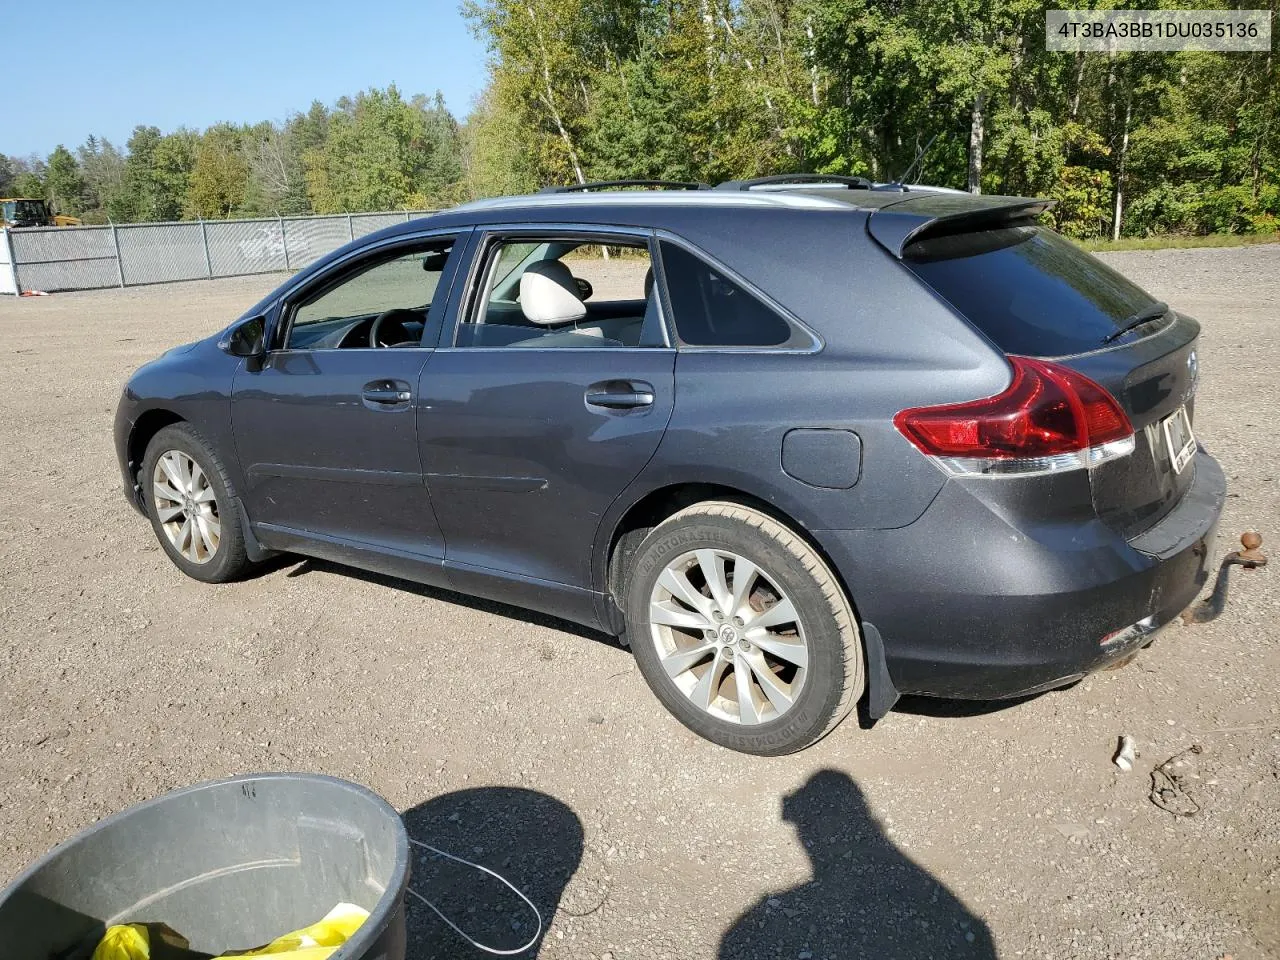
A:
[124,942]
[142,941]
[315,942]
[133,941]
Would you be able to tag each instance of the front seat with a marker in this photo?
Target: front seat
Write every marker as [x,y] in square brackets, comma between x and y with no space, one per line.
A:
[549,298]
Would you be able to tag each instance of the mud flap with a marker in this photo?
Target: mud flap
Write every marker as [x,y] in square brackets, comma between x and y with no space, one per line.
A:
[881,693]
[254,550]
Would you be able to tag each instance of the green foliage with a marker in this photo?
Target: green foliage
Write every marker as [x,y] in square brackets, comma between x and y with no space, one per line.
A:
[1083,184]
[274,184]
[63,182]
[156,175]
[1135,144]
[219,175]
[716,89]
[497,161]
[1084,198]
[372,152]
[635,125]
[382,152]
[103,169]
[28,183]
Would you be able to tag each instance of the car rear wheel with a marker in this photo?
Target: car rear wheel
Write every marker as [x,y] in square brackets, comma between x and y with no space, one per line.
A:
[742,631]
[192,509]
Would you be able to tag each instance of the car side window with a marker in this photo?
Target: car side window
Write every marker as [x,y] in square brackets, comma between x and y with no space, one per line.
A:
[564,292]
[383,303]
[708,309]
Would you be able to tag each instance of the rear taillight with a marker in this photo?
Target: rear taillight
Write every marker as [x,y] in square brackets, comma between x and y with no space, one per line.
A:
[1049,419]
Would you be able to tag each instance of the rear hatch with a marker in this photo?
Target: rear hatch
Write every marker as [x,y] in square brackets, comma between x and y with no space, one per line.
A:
[1034,293]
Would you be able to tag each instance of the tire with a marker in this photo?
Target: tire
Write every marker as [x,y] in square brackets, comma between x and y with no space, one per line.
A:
[809,691]
[212,498]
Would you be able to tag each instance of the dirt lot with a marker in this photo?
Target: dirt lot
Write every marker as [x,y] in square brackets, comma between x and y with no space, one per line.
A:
[535,747]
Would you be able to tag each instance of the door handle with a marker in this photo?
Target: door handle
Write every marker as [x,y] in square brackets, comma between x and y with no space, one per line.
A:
[387,393]
[620,394]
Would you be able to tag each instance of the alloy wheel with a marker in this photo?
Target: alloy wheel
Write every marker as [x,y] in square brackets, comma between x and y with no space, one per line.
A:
[186,506]
[728,636]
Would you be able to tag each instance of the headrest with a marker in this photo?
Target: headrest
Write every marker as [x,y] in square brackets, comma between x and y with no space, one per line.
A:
[548,294]
[648,282]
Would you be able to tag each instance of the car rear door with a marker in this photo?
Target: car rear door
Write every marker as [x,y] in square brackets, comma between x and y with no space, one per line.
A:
[528,434]
[325,425]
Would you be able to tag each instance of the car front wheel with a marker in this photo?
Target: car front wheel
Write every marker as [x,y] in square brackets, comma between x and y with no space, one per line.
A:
[192,509]
[742,631]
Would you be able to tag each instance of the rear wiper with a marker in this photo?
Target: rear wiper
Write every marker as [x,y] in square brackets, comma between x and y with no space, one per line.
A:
[1145,315]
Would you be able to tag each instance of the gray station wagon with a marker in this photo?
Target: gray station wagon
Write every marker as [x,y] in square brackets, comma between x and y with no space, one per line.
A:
[800,444]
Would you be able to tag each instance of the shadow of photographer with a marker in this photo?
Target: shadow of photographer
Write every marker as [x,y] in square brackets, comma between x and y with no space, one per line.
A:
[865,900]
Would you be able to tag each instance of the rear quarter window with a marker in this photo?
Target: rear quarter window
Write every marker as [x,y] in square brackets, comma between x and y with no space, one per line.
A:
[1031,291]
[710,310]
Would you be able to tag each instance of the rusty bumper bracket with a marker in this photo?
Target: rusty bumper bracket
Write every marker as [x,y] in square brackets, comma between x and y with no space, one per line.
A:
[1250,558]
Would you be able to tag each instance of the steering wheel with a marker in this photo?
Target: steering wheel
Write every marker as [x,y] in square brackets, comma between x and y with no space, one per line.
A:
[395,332]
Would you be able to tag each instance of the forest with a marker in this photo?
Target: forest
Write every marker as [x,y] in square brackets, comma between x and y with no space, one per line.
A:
[1129,144]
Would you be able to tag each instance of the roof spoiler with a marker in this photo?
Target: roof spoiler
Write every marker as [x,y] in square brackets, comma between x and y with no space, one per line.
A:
[896,226]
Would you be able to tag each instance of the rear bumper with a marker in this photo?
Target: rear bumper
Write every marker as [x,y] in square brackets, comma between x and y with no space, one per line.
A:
[970,606]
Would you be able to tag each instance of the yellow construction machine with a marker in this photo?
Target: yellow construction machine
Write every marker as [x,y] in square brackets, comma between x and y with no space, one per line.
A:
[29,212]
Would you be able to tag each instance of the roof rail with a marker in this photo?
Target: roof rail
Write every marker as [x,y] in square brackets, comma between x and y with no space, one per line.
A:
[611,184]
[798,179]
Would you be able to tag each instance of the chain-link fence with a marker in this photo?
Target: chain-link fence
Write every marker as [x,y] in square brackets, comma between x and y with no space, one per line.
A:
[85,258]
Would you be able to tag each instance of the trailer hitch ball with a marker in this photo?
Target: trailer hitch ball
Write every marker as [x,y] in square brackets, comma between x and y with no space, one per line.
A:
[1250,557]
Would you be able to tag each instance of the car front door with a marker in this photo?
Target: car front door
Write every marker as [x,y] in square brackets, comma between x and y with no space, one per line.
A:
[547,396]
[325,424]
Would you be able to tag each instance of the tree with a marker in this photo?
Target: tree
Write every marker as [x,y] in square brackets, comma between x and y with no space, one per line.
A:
[157,174]
[1204,150]
[1130,144]
[382,152]
[219,174]
[547,52]
[138,200]
[28,183]
[28,176]
[172,164]
[64,182]
[277,174]
[276,179]
[103,168]
[635,128]
[495,159]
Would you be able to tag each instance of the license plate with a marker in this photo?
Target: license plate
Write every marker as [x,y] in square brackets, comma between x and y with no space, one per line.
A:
[1178,439]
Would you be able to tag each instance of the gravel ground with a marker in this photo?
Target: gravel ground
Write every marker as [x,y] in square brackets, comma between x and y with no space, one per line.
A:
[534,747]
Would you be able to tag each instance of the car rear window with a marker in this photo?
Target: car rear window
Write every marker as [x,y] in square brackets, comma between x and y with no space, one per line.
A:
[1030,290]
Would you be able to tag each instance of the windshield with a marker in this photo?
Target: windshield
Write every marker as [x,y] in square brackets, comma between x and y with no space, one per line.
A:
[19,211]
[1030,290]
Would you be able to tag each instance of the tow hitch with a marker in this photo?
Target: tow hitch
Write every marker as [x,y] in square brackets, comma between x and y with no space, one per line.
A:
[1250,558]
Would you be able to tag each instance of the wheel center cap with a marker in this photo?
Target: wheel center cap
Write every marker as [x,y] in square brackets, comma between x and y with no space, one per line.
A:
[728,634]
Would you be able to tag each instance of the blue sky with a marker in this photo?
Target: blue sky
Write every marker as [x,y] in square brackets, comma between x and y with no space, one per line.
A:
[102,67]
